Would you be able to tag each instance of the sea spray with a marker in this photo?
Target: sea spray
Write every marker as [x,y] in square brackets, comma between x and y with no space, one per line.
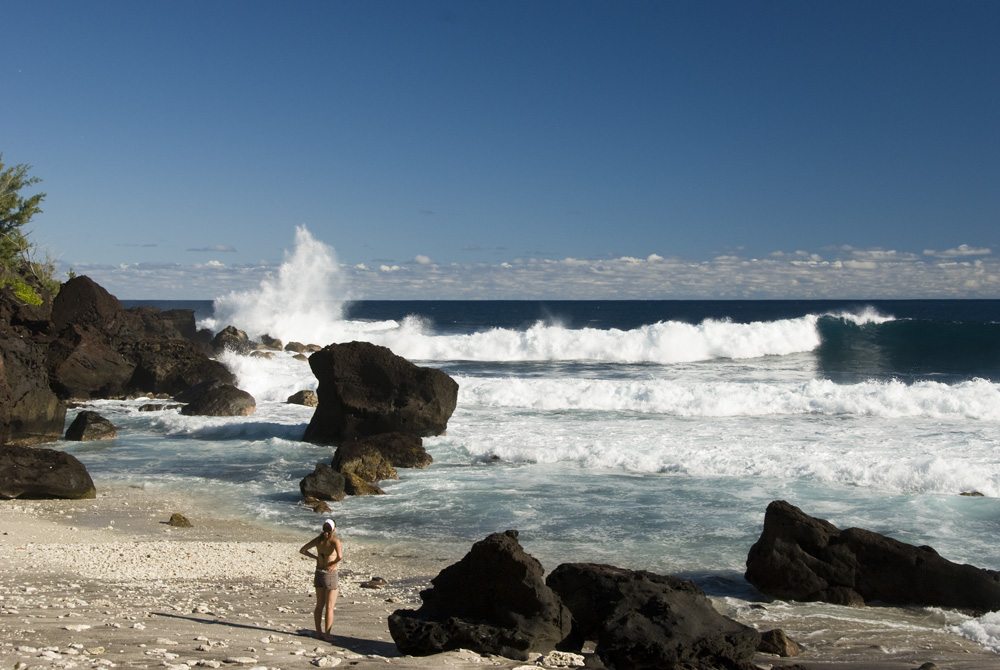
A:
[303,302]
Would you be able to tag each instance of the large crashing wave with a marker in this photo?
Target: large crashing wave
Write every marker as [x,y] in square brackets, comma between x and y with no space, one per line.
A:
[663,342]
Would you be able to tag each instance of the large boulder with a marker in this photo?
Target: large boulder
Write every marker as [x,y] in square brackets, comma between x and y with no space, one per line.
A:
[89,426]
[83,303]
[173,366]
[799,557]
[221,400]
[324,483]
[83,364]
[101,350]
[641,620]
[33,472]
[365,389]
[36,414]
[493,601]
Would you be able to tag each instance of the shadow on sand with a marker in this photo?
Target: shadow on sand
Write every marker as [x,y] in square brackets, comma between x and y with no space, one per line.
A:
[353,644]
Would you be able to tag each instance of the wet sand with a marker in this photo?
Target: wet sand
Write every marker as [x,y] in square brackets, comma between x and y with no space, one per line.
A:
[108,583]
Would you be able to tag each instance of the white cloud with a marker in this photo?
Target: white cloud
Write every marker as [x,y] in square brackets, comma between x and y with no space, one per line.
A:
[216,248]
[960,250]
[422,260]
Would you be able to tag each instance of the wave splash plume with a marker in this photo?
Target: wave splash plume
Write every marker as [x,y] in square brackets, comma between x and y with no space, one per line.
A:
[303,302]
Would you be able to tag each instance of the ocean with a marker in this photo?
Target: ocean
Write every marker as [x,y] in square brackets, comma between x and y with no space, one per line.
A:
[644,434]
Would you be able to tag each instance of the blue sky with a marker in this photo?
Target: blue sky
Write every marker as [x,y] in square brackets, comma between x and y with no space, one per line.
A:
[506,149]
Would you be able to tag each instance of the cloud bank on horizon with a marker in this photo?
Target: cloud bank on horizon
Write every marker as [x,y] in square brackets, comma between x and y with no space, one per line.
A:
[841,273]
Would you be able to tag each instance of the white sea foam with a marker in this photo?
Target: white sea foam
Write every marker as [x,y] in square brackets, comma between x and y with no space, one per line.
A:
[985,630]
[976,399]
[270,379]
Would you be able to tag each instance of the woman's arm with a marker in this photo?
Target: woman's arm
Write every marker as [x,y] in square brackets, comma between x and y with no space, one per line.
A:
[309,545]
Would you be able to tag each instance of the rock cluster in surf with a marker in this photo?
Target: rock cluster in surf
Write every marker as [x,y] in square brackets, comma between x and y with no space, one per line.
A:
[84,345]
[377,407]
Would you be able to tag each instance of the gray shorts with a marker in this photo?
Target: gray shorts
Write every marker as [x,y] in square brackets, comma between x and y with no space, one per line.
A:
[327,580]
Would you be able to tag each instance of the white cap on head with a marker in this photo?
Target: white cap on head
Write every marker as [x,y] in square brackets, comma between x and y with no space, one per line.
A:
[331,523]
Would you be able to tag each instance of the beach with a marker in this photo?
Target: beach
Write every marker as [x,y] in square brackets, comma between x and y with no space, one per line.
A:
[109,583]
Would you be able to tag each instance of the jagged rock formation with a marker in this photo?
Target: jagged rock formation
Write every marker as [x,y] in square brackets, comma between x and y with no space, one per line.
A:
[799,557]
[493,601]
[641,620]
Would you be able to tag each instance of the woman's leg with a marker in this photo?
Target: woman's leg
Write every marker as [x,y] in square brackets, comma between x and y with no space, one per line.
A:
[331,603]
[322,595]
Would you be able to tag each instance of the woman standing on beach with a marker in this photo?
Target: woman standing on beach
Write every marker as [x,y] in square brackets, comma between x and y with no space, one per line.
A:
[327,580]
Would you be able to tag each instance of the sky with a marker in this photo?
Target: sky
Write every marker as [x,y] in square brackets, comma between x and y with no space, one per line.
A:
[505,149]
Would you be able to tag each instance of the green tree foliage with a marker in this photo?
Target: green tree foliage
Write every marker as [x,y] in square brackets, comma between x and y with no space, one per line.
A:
[18,266]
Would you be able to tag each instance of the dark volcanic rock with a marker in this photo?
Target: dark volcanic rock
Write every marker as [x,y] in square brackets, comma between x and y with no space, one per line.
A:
[799,557]
[272,343]
[324,483]
[307,398]
[356,486]
[31,413]
[6,398]
[778,643]
[36,414]
[89,426]
[493,601]
[221,400]
[173,366]
[399,449]
[32,472]
[643,620]
[365,389]
[85,304]
[363,460]
[233,339]
[172,324]
[83,364]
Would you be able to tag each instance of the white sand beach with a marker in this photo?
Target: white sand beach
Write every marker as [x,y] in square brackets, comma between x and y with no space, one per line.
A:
[108,583]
